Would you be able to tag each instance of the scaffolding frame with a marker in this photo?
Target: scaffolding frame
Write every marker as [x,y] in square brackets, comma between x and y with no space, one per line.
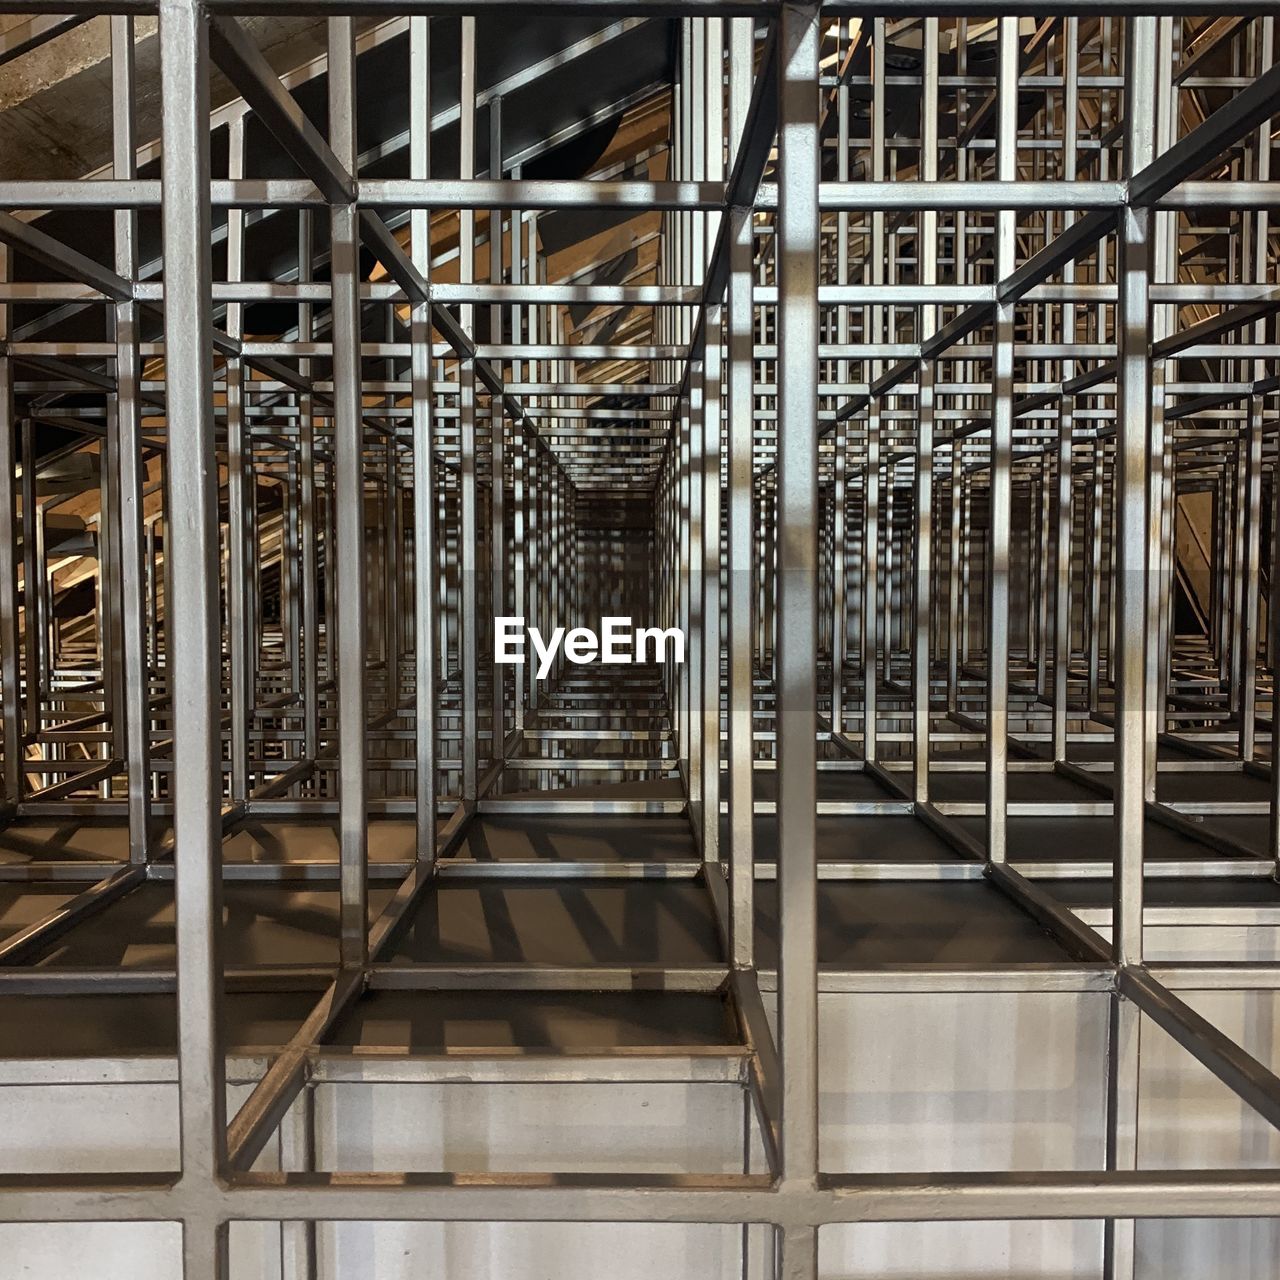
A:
[482,457]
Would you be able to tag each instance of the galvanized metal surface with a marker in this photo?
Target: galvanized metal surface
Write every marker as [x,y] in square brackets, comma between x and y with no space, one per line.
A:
[922,370]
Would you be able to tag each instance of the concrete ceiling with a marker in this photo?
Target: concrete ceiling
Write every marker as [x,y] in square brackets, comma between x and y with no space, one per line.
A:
[55,101]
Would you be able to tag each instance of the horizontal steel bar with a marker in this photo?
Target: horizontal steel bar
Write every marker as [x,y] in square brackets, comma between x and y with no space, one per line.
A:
[482,193]
[671,1198]
[864,196]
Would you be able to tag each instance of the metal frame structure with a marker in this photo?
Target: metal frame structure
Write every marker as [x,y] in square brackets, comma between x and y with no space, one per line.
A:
[908,418]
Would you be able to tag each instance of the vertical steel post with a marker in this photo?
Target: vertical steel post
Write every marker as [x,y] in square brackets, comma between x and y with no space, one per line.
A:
[1164,232]
[1066,416]
[796,685]
[349,564]
[710,582]
[132,472]
[519,487]
[928,260]
[872,331]
[425,551]
[1132,471]
[1256,429]
[695,416]
[298,1153]
[710,104]
[497,430]
[1000,476]
[1252,518]
[741,537]
[1123,1053]
[308,523]
[1133,462]
[241,496]
[955,619]
[191,547]
[290,569]
[840,477]
[468,635]
[393,542]
[32,585]
[10,679]
[1062,576]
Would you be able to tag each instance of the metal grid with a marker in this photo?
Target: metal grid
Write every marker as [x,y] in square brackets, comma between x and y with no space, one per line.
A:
[945,326]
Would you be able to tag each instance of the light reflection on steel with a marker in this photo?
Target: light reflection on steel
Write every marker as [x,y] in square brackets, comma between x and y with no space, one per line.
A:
[935,405]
